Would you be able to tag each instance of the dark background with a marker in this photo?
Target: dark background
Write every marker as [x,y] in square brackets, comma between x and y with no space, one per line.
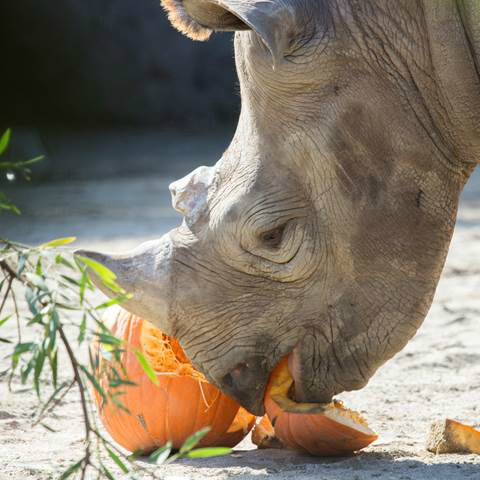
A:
[110,61]
[103,87]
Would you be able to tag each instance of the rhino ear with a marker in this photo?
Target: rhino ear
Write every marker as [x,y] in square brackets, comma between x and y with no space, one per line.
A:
[272,20]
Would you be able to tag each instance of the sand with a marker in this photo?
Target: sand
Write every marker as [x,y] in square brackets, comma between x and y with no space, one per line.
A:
[436,376]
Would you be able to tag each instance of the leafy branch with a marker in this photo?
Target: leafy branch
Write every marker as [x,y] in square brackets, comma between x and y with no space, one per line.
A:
[59,325]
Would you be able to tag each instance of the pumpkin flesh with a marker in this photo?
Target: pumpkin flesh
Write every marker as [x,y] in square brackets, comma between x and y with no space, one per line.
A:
[317,429]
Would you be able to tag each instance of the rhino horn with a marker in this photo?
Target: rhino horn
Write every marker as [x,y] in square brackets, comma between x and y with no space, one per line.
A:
[142,273]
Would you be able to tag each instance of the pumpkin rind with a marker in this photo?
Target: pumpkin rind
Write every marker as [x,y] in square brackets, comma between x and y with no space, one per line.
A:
[316,429]
[173,410]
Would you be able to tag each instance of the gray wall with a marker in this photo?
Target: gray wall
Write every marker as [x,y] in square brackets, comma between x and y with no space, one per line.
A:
[104,61]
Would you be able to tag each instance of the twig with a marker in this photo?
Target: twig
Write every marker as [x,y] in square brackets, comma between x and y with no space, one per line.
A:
[9,288]
[17,316]
[79,381]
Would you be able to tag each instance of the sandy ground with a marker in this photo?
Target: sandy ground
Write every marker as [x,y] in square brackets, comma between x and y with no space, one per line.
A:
[436,376]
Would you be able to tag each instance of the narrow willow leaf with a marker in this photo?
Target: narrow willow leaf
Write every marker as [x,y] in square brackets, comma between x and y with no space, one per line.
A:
[60,260]
[21,348]
[83,284]
[5,340]
[31,299]
[5,140]
[95,384]
[52,329]
[107,472]
[161,454]
[104,273]
[71,280]
[22,259]
[26,369]
[24,163]
[71,470]
[64,306]
[37,280]
[38,268]
[11,207]
[208,452]
[108,339]
[50,429]
[117,460]
[53,361]
[192,440]
[147,368]
[39,362]
[4,320]
[82,329]
[58,242]
[52,397]
[113,301]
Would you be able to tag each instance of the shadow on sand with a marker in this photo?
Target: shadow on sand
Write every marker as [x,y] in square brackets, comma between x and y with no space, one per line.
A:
[283,464]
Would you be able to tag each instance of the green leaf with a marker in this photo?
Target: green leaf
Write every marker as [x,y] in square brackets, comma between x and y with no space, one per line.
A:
[104,273]
[83,284]
[21,348]
[52,397]
[53,361]
[22,259]
[108,339]
[26,369]
[31,299]
[147,368]
[82,329]
[192,440]
[71,280]
[38,268]
[107,472]
[10,206]
[52,329]
[63,261]
[95,384]
[58,242]
[113,301]
[5,340]
[161,454]
[117,460]
[39,362]
[5,140]
[8,317]
[37,281]
[71,470]
[208,452]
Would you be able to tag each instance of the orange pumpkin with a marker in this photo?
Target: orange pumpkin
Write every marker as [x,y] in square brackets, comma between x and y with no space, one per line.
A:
[317,429]
[263,435]
[181,404]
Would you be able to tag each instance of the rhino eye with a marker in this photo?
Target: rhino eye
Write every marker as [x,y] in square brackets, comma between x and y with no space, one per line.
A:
[273,237]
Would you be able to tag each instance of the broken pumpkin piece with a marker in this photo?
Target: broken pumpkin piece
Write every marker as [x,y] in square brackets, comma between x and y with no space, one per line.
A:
[317,429]
[263,435]
[182,403]
[450,436]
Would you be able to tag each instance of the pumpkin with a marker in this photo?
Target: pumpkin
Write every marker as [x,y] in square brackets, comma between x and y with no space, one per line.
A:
[181,404]
[263,435]
[450,436]
[317,429]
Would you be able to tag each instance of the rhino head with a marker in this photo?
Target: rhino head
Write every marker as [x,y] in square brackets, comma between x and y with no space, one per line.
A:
[323,229]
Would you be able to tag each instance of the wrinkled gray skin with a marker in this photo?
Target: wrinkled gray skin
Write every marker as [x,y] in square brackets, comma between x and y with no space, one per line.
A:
[324,227]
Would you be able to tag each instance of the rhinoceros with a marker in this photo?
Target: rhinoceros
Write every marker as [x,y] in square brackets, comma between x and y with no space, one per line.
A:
[322,231]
